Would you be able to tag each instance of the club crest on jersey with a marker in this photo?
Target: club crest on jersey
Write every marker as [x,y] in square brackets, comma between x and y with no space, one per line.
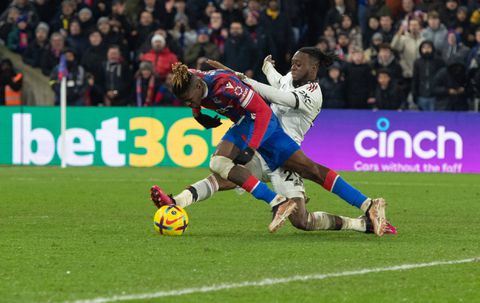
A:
[229,85]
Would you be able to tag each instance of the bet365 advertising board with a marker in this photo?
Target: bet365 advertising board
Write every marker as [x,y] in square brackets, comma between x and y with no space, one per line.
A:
[147,137]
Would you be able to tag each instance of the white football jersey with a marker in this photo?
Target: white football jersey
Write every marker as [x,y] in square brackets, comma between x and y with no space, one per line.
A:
[297,121]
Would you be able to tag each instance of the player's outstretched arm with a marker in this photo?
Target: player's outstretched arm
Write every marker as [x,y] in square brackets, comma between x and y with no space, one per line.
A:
[268,68]
[275,95]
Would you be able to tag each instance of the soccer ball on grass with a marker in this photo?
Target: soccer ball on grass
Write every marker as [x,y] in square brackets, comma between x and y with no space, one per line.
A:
[170,220]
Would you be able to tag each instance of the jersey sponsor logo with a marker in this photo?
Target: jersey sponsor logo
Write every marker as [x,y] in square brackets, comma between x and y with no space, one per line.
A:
[305,97]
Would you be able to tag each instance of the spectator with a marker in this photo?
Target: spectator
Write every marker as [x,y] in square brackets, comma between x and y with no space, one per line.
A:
[454,48]
[166,95]
[92,60]
[110,37]
[359,81]
[23,8]
[10,84]
[449,13]
[207,13]
[160,56]
[329,34]
[76,80]
[157,9]
[145,27]
[276,25]
[8,23]
[37,48]
[424,71]
[464,27]
[387,94]
[333,88]
[43,9]
[406,43]
[372,52]
[435,32]
[229,13]
[354,33]
[61,23]
[408,10]
[240,51]
[147,91]
[51,57]
[86,20]
[450,87]
[473,59]
[373,25]
[334,15]
[119,20]
[76,38]
[218,34]
[386,61]
[19,36]
[182,32]
[342,48]
[203,48]
[386,28]
[116,79]
[180,13]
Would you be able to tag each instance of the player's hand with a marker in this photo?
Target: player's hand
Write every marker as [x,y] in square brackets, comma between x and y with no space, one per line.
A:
[207,121]
[268,59]
[244,156]
[215,64]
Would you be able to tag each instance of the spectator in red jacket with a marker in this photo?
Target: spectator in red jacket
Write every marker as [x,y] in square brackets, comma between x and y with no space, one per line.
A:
[160,56]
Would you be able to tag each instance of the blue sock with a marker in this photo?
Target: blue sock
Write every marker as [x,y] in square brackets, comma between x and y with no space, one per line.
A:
[259,189]
[348,193]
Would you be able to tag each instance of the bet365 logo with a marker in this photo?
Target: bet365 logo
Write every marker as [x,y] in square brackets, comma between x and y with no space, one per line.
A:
[425,144]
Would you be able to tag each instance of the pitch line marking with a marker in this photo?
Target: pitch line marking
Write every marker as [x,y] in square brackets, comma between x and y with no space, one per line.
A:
[269,281]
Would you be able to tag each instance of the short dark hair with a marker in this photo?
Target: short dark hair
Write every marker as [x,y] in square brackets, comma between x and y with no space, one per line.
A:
[322,58]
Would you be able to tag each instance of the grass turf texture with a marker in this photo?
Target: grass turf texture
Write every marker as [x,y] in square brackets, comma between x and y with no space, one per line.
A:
[82,233]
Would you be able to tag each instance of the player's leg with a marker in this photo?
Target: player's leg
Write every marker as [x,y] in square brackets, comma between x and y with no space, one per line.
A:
[331,181]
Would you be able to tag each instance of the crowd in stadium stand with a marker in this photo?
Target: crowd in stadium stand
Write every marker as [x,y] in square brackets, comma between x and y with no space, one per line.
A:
[393,54]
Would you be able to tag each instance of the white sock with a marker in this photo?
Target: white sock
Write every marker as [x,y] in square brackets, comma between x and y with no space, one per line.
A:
[203,189]
[353,224]
[366,204]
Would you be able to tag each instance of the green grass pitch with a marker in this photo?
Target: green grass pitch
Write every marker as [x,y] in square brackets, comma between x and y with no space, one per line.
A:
[83,233]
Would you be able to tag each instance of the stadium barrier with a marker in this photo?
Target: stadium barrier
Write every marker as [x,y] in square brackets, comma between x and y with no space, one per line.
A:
[156,136]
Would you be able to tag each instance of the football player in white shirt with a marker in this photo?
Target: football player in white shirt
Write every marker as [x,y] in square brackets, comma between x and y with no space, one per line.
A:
[296,101]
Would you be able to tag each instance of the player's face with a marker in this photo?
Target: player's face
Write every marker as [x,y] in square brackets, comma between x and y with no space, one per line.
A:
[300,66]
[193,97]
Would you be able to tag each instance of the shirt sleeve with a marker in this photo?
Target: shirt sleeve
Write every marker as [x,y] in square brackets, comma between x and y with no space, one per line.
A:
[273,76]
[238,91]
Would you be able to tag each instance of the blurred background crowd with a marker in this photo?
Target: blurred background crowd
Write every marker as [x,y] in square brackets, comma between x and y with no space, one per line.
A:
[393,54]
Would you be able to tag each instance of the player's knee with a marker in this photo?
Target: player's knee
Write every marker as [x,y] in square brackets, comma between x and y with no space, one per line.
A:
[221,165]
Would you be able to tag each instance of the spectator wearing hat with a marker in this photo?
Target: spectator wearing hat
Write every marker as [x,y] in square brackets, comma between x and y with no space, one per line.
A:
[23,8]
[36,49]
[424,71]
[160,56]
[435,31]
[147,86]
[450,86]
[386,28]
[386,60]
[62,21]
[372,51]
[51,57]
[87,22]
[76,80]
[19,36]
[202,48]
[359,80]
[11,83]
[387,95]
[448,15]
[116,79]
[333,88]
[240,51]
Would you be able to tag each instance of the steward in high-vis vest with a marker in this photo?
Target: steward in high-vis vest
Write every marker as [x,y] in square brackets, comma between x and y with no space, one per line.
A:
[10,84]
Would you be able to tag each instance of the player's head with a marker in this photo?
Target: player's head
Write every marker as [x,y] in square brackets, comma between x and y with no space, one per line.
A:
[186,86]
[307,61]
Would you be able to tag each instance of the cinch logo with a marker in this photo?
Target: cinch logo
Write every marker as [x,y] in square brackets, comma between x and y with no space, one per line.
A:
[370,143]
